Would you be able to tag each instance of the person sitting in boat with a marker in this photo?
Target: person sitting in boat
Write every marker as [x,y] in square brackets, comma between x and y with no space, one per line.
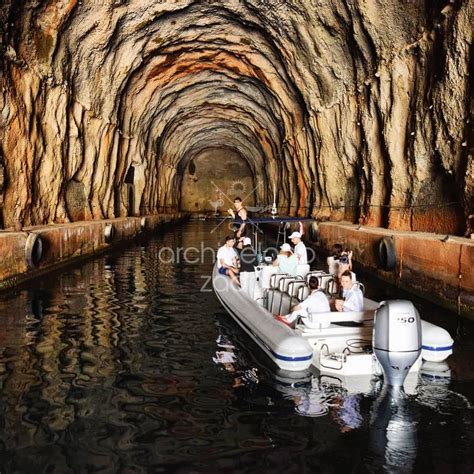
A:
[242,213]
[300,248]
[316,302]
[286,261]
[352,294]
[248,262]
[227,260]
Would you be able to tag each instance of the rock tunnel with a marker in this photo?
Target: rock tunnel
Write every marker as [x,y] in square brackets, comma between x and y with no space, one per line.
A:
[342,110]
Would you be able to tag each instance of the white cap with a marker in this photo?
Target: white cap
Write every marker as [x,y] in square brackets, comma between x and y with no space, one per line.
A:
[247,241]
[295,234]
[286,248]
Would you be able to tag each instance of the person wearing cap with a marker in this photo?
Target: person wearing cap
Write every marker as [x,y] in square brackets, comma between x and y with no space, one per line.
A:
[286,261]
[300,248]
[227,260]
[248,262]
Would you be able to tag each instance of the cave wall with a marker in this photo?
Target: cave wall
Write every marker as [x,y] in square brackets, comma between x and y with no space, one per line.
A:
[356,110]
[213,179]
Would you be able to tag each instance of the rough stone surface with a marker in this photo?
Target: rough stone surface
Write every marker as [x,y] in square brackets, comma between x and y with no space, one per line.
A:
[356,110]
[213,179]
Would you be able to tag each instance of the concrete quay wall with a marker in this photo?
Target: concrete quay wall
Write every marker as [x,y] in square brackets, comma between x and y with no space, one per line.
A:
[64,243]
[437,267]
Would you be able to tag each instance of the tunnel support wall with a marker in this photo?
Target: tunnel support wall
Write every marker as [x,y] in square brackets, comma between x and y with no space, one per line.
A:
[437,267]
[64,243]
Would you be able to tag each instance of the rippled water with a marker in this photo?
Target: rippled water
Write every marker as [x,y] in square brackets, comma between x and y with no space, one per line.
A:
[113,366]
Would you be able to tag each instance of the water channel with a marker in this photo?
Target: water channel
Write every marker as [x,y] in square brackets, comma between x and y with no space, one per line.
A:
[128,363]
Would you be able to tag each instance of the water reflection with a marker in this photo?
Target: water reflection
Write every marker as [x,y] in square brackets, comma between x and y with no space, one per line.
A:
[114,366]
[392,440]
[388,418]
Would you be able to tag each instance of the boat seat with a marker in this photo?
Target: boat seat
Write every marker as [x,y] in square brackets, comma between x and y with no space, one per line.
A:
[274,306]
[316,273]
[269,298]
[281,303]
[331,287]
[326,278]
[361,286]
[303,293]
[284,282]
[292,291]
[293,286]
[286,304]
[275,279]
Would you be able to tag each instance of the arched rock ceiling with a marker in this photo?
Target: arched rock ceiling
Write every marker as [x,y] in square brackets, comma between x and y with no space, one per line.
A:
[351,109]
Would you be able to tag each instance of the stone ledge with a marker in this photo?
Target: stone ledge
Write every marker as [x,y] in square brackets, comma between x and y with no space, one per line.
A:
[64,243]
[436,266]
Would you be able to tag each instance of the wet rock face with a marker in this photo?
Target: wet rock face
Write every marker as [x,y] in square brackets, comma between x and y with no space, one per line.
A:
[356,110]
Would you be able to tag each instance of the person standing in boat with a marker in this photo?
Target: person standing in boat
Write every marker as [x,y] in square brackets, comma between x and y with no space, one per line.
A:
[316,302]
[241,213]
[227,260]
[248,262]
[333,260]
[300,248]
[352,294]
[338,262]
[238,246]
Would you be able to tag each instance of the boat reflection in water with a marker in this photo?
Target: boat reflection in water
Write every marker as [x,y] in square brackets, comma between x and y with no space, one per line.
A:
[392,440]
[385,417]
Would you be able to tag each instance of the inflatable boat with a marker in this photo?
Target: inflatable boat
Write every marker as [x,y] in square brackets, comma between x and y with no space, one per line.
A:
[334,342]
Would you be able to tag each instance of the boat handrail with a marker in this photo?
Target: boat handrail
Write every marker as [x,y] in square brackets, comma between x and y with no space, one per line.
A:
[285,281]
[301,292]
[331,286]
[361,286]
[293,287]
[315,273]
[325,282]
[324,346]
[275,279]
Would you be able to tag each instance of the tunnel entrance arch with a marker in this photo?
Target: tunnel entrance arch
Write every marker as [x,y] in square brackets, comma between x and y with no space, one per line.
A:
[213,178]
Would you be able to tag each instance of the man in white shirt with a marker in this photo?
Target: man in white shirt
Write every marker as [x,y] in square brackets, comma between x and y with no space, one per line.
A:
[300,248]
[316,302]
[227,260]
[353,296]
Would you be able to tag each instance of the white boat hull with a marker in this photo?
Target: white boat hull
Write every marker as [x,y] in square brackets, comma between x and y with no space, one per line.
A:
[329,347]
[286,348]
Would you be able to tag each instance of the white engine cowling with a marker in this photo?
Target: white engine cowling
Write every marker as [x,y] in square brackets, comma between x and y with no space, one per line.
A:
[396,339]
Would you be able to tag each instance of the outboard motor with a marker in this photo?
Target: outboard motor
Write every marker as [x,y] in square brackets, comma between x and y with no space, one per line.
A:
[396,339]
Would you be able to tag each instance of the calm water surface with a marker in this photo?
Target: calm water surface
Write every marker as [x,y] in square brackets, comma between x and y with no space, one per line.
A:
[128,363]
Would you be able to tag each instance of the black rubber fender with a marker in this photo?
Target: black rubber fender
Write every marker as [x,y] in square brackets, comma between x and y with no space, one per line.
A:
[109,233]
[33,250]
[387,254]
